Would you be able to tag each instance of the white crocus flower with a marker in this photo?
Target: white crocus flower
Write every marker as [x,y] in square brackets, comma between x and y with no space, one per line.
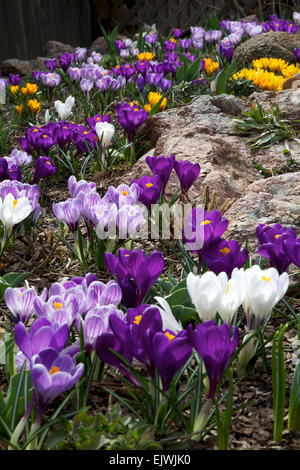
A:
[105,132]
[13,211]
[233,294]
[296,17]
[168,319]
[70,101]
[264,289]
[205,293]
[2,91]
[47,116]
[64,109]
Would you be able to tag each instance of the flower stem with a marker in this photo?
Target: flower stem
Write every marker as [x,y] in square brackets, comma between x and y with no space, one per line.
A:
[20,426]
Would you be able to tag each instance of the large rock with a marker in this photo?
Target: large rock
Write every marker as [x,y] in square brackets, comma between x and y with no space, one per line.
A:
[277,44]
[288,102]
[15,66]
[100,45]
[38,63]
[293,82]
[201,133]
[275,160]
[269,201]
[54,49]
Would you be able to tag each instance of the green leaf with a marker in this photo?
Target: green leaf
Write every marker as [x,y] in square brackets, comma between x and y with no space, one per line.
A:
[294,406]
[11,280]
[221,81]
[96,442]
[179,297]
[279,382]
[183,314]
[56,438]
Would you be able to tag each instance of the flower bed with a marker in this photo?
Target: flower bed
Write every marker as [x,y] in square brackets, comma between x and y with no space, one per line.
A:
[131,292]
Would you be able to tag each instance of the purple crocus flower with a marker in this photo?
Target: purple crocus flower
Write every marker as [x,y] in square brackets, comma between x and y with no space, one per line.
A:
[3,169]
[36,75]
[157,67]
[129,221]
[224,256]
[215,347]
[50,80]
[141,320]
[43,168]
[297,54]
[164,84]
[190,56]
[53,373]
[107,82]
[271,240]
[151,38]
[130,118]
[213,36]
[226,49]
[169,46]
[74,74]
[44,142]
[60,309]
[187,173]
[140,83]
[51,64]
[124,53]
[161,166]
[128,70]
[65,60]
[177,32]
[76,187]
[20,302]
[197,32]
[42,335]
[86,86]
[198,44]
[14,172]
[202,229]
[291,248]
[135,273]
[123,194]
[115,341]
[128,338]
[169,353]
[68,212]
[62,135]
[95,323]
[80,53]
[150,189]
[142,66]
[185,43]
[96,56]
[20,158]
[120,45]
[14,79]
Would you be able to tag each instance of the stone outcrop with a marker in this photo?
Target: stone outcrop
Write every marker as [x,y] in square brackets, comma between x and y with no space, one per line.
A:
[54,49]
[275,44]
[288,102]
[268,201]
[201,133]
[15,66]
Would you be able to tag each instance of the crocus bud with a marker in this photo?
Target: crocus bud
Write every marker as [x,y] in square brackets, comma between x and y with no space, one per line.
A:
[246,352]
[105,132]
